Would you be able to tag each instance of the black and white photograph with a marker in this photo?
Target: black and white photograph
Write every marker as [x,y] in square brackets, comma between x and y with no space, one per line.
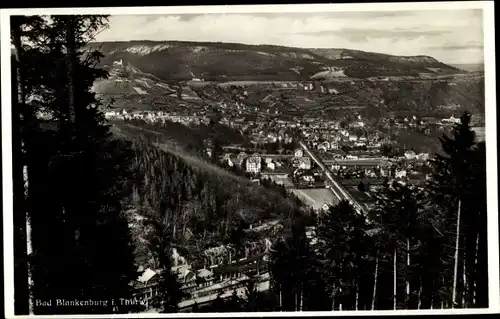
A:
[250,159]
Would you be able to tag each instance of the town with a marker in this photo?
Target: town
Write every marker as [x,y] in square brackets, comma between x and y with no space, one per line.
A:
[319,161]
[209,175]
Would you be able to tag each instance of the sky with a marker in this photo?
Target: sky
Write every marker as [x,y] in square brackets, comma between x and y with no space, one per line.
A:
[451,36]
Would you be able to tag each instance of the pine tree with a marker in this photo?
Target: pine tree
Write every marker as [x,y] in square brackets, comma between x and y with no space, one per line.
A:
[75,181]
[398,213]
[458,186]
[342,251]
[169,289]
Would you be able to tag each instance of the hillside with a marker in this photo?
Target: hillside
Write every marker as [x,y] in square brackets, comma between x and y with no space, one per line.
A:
[206,205]
[174,60]
[143,77]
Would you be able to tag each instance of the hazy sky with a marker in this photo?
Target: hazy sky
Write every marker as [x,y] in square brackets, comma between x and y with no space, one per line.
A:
[451,36]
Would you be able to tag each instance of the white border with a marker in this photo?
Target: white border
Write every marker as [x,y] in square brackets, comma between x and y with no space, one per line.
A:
[490,105]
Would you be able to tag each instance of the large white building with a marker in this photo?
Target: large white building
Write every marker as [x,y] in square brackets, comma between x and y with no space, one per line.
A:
[253,164]
[299,152]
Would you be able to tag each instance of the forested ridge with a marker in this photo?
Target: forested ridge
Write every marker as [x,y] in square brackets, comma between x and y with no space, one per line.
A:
[203,209]
[79,187]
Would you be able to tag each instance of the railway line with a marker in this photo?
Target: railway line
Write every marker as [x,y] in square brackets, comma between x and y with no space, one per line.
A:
[338,190]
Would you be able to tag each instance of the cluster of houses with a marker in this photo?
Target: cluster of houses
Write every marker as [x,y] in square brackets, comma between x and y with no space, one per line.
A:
[157,116]
[256,163]
[220,272]
[415,122]
[323,135]
[411,165]
[253,163]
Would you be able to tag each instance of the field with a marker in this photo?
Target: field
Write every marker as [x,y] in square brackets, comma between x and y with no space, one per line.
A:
[316,197]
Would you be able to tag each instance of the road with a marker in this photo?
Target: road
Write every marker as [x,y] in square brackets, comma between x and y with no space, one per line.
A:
[358,162]
[338,190]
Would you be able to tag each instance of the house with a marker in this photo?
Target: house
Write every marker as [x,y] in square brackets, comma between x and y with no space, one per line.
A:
[253,164]
[322,148]
[400,173]
[301,162]
[185,275]
[326,207]
[146,286]
[451,120]
[335,167]
[334,146]
[298,152]
[353,138]
[304,163]
[326,144]
[209,151]
[332,91]
[108,115]
[410,155]
[423,156]
[205,277]
[307,178]
[271,166]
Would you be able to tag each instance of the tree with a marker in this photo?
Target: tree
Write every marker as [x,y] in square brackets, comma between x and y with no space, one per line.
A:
[342,243]
[361,187]
[169,289]
[22,121]
[195,308]
[387,150]
[234,304]
[397,213]
[458,190]
[76,180]
[217,305]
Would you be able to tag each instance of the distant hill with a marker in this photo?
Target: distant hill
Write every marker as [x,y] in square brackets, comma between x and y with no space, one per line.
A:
[180,61]
[470,67]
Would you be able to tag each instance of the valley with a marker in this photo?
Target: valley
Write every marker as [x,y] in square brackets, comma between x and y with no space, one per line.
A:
[237,114]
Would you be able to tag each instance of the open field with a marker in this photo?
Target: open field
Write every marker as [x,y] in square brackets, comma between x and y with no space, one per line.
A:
[316,197]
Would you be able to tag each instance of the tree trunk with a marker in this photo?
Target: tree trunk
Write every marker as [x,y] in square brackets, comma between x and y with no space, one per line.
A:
[455,268]
[395,283]
[301,299]
[407,268]
[464,293]
[21,273]
[357,297]
[374,296]
[296,304]
[333,297]
[419,296]
[281,299]
[340,303]
[70,65]
[474,292]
